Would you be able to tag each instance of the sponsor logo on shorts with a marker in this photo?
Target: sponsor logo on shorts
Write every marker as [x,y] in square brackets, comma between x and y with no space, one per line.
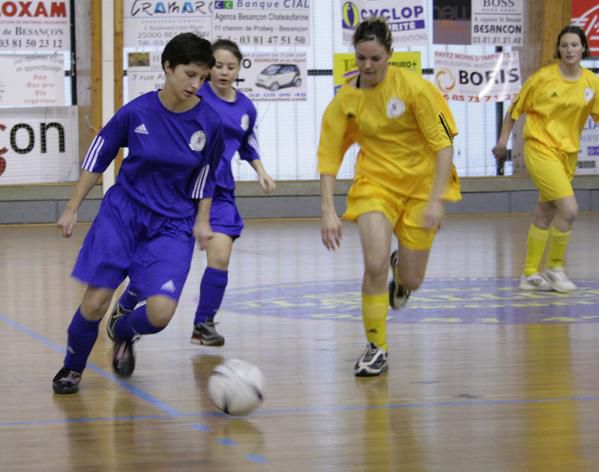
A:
[168,286]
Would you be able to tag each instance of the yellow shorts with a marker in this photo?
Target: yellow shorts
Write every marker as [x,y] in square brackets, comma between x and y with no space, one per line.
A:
[404,213]
[551,171]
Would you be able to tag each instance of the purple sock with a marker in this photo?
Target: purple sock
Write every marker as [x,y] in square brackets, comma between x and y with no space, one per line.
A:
[134,324]
[82,337]
[129,299]
[212,292]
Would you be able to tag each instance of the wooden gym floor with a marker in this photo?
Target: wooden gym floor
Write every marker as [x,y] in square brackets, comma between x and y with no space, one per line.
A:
[483,378]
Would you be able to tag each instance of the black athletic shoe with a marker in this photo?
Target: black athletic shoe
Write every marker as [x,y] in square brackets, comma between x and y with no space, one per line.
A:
[398,296]
[206,334]
[66,381]
[123,358]
[116,314]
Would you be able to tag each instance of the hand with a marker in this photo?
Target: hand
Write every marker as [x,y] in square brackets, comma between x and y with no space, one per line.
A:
[499,151]
[67,222]
[330,230]
[202,231]
[433,215]
[267,183]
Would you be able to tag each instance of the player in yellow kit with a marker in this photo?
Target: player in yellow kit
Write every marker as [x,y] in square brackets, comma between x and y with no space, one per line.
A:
[404,170]
[557,101]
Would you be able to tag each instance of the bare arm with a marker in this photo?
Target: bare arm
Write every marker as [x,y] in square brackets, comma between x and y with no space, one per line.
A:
[500,149]
[330,224]
[68,219]
[202,230]
[266,181]
[434,212]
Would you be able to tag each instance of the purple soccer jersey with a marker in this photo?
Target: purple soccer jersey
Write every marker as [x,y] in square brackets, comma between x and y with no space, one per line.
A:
[239,120]
[144,226]
[172,156]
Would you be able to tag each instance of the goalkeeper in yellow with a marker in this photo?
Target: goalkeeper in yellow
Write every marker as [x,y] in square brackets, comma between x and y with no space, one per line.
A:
[557,101]
[403,173]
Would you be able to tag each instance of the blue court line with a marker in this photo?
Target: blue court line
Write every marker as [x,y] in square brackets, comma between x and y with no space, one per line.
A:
[113,378]
[82,420]
[135,391]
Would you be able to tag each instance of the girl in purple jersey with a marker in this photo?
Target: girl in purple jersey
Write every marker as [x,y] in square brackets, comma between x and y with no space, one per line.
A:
[239,119]
[147,221]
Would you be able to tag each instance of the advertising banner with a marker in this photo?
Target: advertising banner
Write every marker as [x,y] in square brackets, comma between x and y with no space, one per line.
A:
[35,25]
[588,156]
[451,21]
[497,22]
[406,19]
[344,65]
[264,76]
[32,81]
[152,23]
[38,145]
[263,23]
[478,78]
[585,13]
[273,76]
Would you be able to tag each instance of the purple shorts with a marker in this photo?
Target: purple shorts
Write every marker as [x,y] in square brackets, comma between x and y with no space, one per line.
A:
[127,238]
[224,215]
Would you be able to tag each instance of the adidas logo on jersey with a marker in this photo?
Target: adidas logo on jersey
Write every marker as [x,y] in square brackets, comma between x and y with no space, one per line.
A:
[169,286]
[141,129]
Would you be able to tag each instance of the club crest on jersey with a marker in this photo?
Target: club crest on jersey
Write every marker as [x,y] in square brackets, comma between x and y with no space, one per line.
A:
[588,94]
[395,108]
[197,141]
[245,122]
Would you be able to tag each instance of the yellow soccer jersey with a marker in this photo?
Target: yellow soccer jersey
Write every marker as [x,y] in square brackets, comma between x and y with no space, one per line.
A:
[556,109]
[399,125]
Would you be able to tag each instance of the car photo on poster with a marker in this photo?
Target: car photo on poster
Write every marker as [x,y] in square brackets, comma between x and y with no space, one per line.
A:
[277,76]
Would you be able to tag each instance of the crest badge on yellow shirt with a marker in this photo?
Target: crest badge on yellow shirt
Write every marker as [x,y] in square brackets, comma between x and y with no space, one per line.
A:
[588,94]
[395,108]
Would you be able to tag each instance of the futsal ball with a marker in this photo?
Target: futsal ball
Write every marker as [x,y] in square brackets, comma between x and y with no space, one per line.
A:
[236,387]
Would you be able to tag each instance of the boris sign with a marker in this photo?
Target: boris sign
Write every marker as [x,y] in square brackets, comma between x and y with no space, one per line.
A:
[38,145]
[477,78]
[406,19]
[36,25]
[585,14]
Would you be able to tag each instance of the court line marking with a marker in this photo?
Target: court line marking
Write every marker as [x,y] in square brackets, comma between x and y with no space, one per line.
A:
[171,412]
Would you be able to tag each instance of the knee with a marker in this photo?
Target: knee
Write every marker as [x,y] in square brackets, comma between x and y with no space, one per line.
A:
[94,308]
[376,266]
[569,214]
[220,262]
[160,316]
[411,281]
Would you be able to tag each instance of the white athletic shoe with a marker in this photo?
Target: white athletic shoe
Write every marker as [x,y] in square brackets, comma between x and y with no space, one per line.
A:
[558,280]
[535,282]
[373,361]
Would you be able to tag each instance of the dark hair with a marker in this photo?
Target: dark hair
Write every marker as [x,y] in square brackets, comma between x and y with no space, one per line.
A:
[583,40]
[227,45]
[374,29]
[187,48]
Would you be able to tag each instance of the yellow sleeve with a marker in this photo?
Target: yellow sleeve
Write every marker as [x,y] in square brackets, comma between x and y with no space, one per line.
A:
[337,134]
[434,117]
[595,106]
[525,98]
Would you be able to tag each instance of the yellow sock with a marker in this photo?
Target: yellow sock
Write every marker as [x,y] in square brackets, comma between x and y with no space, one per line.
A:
[535,248]
[374,316]
[558,243]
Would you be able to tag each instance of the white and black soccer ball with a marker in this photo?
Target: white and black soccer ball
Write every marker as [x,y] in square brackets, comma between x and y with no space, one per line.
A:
[236,387]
